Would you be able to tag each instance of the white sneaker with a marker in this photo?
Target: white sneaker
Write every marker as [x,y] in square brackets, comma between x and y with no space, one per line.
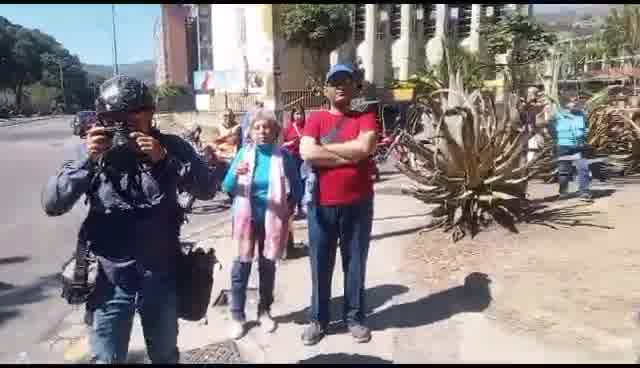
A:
[266,322]
[236,329]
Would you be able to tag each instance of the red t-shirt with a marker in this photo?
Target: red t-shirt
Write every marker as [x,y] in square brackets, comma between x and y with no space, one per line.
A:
[342,185]
[291,135]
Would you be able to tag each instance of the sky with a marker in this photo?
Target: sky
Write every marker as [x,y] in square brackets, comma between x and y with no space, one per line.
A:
[86,29]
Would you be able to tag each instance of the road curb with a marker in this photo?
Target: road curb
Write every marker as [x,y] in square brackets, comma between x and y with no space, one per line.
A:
[5,123]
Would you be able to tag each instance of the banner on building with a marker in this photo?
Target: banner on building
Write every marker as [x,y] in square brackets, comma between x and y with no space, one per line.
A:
[232,81]
[203,80]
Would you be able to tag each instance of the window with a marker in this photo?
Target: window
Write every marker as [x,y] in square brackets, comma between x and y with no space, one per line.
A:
[429,21]
[242,19]
[203,10]
[395,20]
[359,22]
[383,18]
[464,21]
[206,59]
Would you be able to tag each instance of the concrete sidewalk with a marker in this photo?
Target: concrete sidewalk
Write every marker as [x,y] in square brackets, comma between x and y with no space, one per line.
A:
[396,220]
[409,325]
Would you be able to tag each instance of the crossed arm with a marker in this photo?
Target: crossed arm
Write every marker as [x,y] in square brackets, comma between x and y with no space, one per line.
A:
[338,154]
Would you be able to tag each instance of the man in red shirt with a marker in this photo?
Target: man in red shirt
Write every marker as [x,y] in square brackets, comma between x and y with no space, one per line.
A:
[338,143]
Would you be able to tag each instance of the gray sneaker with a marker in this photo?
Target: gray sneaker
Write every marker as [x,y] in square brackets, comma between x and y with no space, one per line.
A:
[360,332]
[586,197]
[312,334]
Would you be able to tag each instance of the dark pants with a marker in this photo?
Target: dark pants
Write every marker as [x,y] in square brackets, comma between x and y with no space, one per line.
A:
[298,162]
[565,169]
[113,319]
[240,273]
[351,225]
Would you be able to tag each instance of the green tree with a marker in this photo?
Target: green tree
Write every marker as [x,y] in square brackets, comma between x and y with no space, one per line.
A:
[319,28]
[525,41]
[32,56]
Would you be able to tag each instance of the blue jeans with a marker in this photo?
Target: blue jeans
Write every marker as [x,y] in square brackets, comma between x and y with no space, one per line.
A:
[156,303]
[240,272]
[564,170]
[351,225]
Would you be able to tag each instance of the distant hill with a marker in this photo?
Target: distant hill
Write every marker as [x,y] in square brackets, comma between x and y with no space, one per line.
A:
[572,9]
[562,18]
[143,70]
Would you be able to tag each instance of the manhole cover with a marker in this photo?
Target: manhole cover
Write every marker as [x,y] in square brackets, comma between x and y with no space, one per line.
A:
[224,352]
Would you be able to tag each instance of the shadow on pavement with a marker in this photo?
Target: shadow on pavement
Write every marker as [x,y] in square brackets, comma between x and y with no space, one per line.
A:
[473,296]
[375,297]
[11,260]
[343,358]
[564,216]
[424,215]
[7,315]
[391,234]
[209,209]
[26,295]
[595,193]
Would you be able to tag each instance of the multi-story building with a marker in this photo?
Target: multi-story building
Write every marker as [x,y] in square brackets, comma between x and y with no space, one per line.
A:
[241,52]
[172,51]
[395,40]
[159,53]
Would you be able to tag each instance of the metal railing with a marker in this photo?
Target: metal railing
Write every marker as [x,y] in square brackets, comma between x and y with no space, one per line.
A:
[237,102]
[307,98]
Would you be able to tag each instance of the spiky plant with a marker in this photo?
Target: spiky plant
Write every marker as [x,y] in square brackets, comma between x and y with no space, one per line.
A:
[472,168]
[614,132]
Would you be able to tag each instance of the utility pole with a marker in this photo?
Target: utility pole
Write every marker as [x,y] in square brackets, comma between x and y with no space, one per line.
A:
[64,98]
[115,47]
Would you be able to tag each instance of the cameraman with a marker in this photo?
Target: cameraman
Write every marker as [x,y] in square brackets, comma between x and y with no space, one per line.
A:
[134,221]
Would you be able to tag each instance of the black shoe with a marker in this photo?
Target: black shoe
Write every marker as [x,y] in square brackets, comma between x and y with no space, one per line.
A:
[313,333]
[360,332]
[563,196]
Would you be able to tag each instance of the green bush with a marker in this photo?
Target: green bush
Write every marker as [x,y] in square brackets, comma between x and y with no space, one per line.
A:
[40,97]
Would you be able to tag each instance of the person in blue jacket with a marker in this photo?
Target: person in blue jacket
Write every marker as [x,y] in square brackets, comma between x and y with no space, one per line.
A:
[133,222]
[569,129]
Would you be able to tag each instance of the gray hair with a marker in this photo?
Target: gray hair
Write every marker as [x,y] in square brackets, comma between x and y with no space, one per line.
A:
[265,115]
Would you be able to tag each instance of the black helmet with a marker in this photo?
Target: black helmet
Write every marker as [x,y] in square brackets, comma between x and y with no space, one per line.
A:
[122,94]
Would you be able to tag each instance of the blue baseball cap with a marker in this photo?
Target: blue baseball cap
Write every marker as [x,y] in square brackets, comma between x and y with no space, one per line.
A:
[337,69]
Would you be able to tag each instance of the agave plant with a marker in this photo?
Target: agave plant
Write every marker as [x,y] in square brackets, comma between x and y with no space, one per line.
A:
[615,132]
[473,168]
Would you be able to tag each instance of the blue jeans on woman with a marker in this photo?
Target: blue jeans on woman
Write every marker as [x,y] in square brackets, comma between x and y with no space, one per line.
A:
[155,301]
[565,169]
[240,273]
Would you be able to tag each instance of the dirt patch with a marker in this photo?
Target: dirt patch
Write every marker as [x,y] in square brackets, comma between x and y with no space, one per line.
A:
[572,283]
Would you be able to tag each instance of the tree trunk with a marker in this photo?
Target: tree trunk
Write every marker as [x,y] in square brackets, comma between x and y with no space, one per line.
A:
[18,90]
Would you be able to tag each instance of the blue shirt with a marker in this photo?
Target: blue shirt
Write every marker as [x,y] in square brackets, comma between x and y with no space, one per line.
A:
[570,128]
[260,182]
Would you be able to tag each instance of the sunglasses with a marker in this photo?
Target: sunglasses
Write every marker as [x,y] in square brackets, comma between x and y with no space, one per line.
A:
[340,79]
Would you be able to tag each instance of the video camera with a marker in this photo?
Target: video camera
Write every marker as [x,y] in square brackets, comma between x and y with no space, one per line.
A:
[122,155]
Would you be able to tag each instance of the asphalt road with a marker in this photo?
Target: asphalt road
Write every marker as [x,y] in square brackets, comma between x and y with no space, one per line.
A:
[34,245]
